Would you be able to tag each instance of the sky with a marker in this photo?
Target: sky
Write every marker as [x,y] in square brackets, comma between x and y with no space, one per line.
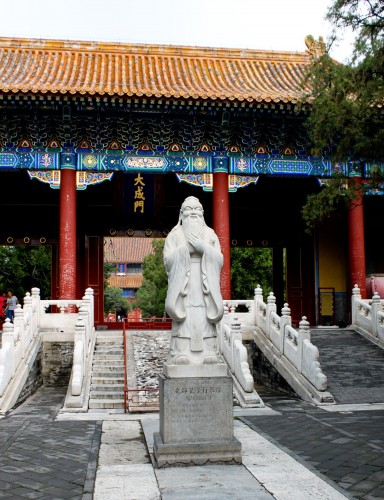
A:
[249,24]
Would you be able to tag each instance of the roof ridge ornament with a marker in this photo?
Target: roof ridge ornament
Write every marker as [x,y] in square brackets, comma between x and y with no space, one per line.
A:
[316,48]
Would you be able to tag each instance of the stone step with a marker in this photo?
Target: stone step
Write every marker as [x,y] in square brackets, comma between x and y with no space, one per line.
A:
[107,381]
[106,403]
[113,388]
[106,395]
[109,352]
[108,361]
[107,374]
[106,342]
[105,365]
[109,349]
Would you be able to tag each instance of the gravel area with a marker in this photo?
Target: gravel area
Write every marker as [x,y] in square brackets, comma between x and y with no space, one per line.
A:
[150,349]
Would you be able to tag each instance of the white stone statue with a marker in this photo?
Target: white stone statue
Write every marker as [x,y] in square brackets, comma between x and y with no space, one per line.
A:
[193,261]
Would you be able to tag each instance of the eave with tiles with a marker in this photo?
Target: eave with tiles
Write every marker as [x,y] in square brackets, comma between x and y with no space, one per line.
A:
[102,107]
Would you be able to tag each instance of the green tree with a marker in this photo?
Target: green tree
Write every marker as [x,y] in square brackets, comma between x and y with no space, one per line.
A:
[250,267]
[114,302]
[346,120]
[346,116]
[151,295]
[22,268]
[109,268]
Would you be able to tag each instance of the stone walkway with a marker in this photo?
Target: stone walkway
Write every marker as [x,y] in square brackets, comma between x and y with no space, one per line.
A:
[345,443]
[41,458]
[353,365]
[291,450]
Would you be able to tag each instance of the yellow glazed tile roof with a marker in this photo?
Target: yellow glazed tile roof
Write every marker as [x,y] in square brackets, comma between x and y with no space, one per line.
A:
[128,281]
[126,250]
[116,69]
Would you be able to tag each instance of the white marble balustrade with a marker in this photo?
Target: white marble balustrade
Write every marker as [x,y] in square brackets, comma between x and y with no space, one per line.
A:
[34,320]
[368,316]
[290,350]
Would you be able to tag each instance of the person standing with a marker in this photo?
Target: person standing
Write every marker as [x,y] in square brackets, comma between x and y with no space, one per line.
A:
[11,305]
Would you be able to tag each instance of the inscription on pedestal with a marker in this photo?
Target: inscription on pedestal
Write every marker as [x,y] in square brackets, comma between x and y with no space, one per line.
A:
[196,409]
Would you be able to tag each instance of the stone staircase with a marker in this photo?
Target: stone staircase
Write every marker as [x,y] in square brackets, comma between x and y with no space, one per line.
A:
[107,379]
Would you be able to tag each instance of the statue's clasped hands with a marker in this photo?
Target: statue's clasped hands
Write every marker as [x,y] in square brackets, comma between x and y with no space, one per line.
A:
[197,243]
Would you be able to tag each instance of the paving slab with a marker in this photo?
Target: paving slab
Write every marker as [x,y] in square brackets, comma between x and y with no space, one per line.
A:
[291,450]
[349,380]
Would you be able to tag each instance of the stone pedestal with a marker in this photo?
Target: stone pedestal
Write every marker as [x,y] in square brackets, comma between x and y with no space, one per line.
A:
[196,422]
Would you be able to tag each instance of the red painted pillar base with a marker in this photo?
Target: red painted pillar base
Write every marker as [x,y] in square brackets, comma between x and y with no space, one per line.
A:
[67,236]
[221,227]
[357,272]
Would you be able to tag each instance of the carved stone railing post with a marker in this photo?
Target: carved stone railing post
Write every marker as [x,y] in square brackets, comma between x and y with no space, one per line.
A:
[303,334]
[19,334]
[356,296]
[35,302]
[27,307]
[235,335]
[27,302]
[84,317]
[257,299]
[78,357]
[271,307]
[89,293]
[8,344]
[375,308]
[285,320]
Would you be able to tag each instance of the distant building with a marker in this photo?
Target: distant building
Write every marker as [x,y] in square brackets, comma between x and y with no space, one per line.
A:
[128,256]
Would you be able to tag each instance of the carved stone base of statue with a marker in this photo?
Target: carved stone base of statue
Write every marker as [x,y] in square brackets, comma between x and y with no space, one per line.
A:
[183,361]
[196,422]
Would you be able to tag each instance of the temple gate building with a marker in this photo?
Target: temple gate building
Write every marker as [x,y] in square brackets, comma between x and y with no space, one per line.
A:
[108,139]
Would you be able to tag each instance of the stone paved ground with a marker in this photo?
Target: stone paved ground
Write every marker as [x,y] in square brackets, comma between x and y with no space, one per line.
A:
[48,459]
[346,447]
[44,459]
[353,365]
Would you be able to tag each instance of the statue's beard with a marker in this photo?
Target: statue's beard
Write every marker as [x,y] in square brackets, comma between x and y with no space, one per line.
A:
[193,226]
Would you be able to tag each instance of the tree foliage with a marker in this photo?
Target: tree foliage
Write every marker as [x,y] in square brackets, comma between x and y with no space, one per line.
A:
[336,196]
[114,302]
[151,295]
[346,120]
[23,268]
[250,267]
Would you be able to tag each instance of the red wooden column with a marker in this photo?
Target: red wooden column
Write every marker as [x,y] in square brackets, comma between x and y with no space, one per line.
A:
[67,233]
[356,247]
[221,227]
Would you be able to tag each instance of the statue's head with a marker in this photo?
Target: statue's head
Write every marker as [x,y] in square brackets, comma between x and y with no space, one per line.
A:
[192,215]
[192,208]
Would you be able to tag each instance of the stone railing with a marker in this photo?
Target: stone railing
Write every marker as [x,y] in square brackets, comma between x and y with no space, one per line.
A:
[33,323]
[288,349]
[17,341]
[368,316]
[231,346]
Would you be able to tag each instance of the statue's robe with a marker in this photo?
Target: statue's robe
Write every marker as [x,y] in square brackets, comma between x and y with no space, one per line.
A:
[194,300]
